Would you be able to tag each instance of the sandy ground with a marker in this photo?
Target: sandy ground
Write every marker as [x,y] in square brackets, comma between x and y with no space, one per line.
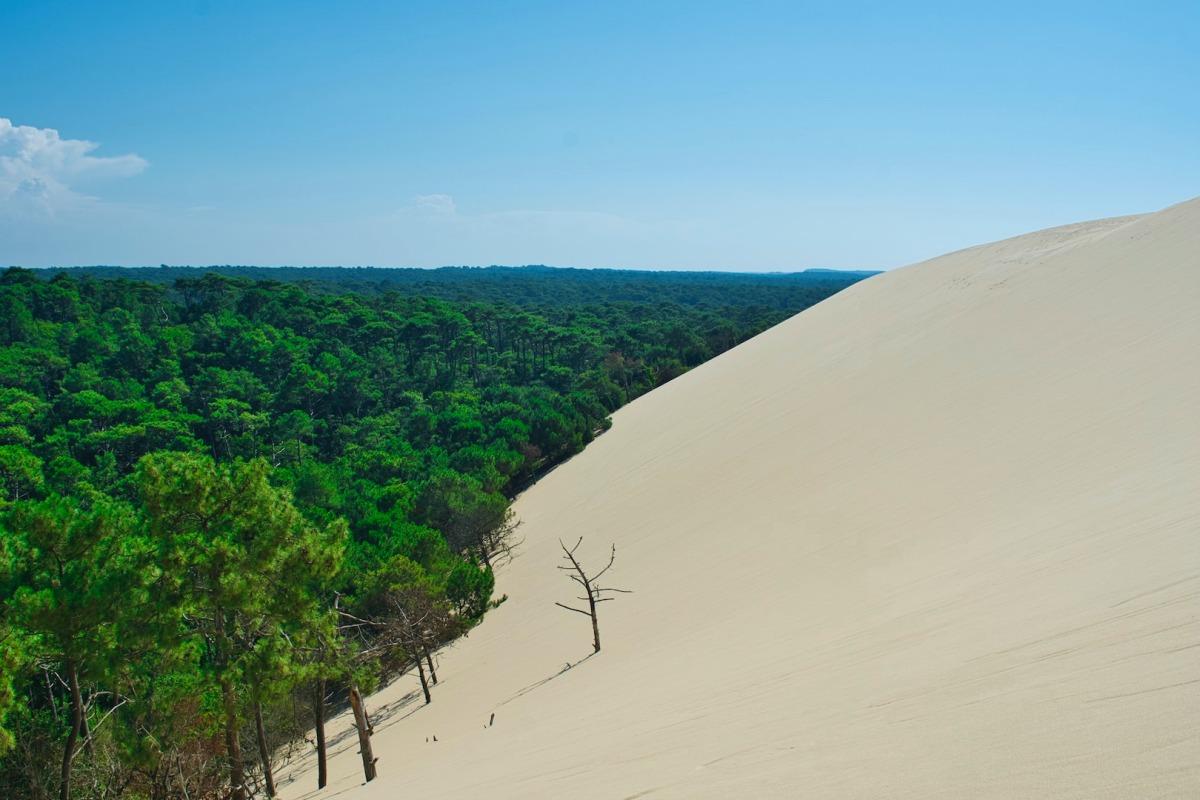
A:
[937,537]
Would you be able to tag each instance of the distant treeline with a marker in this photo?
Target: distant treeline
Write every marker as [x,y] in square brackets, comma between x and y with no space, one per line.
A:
[532,285]
[226,503]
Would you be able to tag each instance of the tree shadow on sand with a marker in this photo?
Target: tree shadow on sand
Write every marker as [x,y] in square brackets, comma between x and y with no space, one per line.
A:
[383,717]
[565,669]
[400,709]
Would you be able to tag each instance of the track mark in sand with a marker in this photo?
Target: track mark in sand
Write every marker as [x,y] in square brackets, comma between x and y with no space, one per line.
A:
[1155,591]
[763,753]
[728,756]
[1144,691]
[642,793]
[1100,623]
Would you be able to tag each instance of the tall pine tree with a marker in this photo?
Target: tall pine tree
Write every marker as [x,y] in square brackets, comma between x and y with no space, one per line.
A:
[242,558]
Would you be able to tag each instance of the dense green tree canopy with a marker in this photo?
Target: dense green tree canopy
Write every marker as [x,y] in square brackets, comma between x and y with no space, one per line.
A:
[218,494]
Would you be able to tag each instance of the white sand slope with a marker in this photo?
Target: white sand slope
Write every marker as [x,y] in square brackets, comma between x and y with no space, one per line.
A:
[937,537]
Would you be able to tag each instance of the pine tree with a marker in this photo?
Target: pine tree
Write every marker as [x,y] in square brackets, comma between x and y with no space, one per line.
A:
[242,557]
[72,569]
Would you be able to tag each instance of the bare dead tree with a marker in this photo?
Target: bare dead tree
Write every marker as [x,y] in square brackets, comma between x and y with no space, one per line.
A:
[593,592]
[352,629]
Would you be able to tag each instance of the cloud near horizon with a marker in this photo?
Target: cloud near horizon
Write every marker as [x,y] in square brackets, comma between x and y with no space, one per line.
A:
[435,203]
[39,169]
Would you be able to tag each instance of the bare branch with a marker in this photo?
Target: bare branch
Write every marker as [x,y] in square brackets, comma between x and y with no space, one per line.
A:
[93,730]
[611,559]
[576,610]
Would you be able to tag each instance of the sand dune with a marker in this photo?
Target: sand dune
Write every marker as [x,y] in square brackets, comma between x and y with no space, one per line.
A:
[937,537]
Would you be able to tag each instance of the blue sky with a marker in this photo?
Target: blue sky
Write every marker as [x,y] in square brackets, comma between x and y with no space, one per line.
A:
[745,136]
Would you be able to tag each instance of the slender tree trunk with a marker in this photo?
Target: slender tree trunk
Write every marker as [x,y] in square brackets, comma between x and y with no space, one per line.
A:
[264,753]
[429,662]
[237,774]
[64,791]
[424,682]
[364,733]
[233,746]
[595,623]
[319,720]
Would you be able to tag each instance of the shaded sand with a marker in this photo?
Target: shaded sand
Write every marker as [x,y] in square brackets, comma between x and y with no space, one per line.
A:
[937,537]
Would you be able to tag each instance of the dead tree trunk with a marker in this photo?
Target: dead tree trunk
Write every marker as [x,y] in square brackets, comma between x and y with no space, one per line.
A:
[264,752]
[364,733]
[593,592]
[64,791]
[591,598]
[319,725]
[367,720]
[85,731]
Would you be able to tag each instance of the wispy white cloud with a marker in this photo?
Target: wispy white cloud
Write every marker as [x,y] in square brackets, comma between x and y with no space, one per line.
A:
[435,204]
[40,171]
